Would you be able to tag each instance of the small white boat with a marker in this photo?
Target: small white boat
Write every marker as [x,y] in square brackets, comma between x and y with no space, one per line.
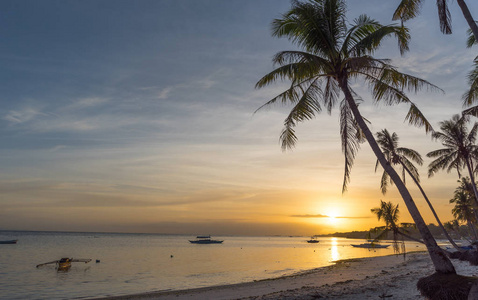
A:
[205,239]
[369,245]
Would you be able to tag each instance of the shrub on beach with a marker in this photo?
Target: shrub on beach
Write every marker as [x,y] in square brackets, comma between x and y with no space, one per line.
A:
[469,255]
[446,286]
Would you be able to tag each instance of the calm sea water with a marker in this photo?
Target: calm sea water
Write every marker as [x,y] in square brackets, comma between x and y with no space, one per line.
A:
[136,263]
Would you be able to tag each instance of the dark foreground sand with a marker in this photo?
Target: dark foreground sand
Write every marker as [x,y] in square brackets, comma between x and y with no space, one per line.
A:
[388,277]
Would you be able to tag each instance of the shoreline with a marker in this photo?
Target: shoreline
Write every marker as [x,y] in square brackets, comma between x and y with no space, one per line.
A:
[383,276]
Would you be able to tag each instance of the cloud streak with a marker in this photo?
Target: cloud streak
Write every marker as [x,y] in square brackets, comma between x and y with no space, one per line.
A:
[325,216]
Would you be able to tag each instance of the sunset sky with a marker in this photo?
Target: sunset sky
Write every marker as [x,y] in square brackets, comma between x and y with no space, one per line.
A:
[138,116]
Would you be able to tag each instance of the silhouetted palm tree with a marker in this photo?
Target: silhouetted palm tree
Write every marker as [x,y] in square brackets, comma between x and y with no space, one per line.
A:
[454,226]
[389,213]
[332,55]
[463,210]
[403,157]
[460,149]
[409,9]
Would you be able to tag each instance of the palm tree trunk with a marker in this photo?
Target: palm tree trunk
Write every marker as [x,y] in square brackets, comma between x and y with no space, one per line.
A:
[468,17]
[432,209]
[475,191]
[472,229]
[440,261]
[472,179]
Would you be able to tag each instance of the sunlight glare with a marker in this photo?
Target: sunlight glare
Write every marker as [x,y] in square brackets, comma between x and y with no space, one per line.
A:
[334,251]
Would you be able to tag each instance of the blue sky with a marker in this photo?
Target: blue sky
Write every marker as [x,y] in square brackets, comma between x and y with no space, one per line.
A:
[138,116]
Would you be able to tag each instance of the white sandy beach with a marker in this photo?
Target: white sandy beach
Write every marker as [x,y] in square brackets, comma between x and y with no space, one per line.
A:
[389,277]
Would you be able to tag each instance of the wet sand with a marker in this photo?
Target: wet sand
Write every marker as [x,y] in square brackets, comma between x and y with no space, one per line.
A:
[387,277]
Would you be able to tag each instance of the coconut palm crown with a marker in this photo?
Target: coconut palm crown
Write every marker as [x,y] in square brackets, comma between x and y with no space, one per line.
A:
[460,147]
[400,156]
[332,55]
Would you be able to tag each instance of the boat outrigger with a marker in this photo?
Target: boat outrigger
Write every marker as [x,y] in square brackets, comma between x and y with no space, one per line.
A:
[64,264]
[205,239]
[369,245]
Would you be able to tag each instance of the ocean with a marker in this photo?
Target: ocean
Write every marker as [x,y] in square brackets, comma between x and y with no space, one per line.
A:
[137,263]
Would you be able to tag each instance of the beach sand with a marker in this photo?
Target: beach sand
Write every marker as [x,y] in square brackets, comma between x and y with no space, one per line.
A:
[387,277]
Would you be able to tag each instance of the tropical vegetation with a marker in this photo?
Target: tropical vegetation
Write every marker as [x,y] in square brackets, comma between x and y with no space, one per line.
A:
[331,56]
[460,150]
[389,213]
[464,210]
[404,157]
[409,9]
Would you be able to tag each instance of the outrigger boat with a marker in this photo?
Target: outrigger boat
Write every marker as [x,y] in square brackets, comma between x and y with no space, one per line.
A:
[64,264]
[205,239]
[9,242]
[313,240]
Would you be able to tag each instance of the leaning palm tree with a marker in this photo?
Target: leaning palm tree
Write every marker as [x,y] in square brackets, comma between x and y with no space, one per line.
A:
[331,56]
[463,211]
[460,149]
[389,213]
[404,157]
[409,9]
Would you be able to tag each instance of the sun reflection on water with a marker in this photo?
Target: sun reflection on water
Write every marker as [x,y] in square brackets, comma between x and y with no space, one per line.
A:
[334,250]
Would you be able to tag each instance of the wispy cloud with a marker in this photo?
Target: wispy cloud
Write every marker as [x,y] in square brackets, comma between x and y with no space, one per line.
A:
[22,115]
[164,93]
[88,102]
[325,216]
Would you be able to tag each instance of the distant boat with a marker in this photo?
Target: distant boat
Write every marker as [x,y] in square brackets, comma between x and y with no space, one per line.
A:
[469,247]
[313,240]
[9,242]
[369,245]
[205,239]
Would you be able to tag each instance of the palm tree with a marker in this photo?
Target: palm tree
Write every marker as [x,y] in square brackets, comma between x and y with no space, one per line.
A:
[403,157]
[463,210]
[332,55]
[460,149]
[409,9]
[471,95]
[454,226]
[389,213]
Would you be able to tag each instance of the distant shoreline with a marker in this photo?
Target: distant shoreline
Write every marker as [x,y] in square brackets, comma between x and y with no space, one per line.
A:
[338,234]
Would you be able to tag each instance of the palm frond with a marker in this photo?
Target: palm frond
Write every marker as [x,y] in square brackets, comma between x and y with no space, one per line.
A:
[293,72]
[384,182]
[305,109]
[410,153]
[411,168]
[407,10]
[350,141]
[471,95]
[312,25]
[471,40]
[444,16]
[369,35]
[415,117]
